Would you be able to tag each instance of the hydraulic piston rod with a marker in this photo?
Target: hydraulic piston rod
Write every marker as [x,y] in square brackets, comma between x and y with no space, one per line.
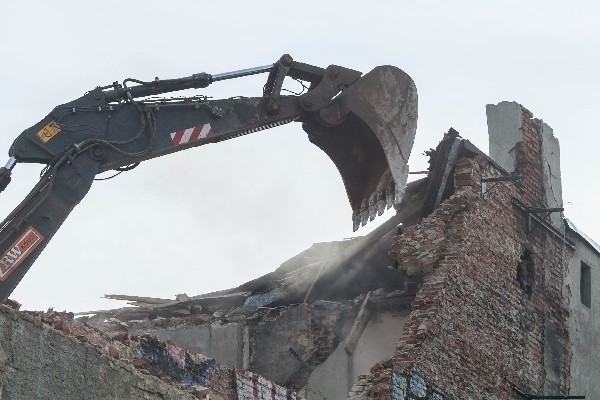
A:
[242,72]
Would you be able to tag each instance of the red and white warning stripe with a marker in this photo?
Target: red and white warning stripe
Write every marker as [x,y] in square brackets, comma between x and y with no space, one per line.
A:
[188,135]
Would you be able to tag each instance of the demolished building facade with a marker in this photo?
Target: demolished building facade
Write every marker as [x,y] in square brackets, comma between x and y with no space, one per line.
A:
[477,288]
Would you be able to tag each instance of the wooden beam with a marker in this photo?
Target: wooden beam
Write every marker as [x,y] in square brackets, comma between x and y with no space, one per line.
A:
[360,323]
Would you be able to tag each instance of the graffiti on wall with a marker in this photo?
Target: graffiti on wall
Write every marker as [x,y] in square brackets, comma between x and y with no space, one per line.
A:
[181,365]
[412,387]
[255,387]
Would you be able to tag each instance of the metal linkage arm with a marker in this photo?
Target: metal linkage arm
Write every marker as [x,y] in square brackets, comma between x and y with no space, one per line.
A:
[29,228]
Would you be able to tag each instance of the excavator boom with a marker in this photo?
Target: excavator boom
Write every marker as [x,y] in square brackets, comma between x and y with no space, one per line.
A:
[366,125]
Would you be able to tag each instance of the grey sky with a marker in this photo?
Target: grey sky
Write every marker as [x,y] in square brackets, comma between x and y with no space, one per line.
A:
[213,217]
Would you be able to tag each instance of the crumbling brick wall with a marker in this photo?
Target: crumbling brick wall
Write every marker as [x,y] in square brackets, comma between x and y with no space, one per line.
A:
[529,163]
[478,328]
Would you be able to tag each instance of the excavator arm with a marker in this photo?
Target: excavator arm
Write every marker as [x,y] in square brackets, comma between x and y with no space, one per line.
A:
[366,125]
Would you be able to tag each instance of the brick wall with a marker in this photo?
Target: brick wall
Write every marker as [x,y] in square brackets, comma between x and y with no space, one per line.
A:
[489,315]
[529,162]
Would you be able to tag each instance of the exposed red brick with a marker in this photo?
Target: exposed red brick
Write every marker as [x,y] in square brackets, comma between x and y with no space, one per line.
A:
[113,352]
[473,331]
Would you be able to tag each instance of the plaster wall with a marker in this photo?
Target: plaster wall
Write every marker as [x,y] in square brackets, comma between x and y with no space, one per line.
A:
[505,131]
[271,356]
[334,378]
[224,343]
[551,167]
[331,380]
[195,338]
[584,322]
[290,342]
[377,342]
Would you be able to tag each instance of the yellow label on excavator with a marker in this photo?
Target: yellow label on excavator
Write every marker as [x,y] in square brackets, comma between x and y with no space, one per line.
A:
[49,131]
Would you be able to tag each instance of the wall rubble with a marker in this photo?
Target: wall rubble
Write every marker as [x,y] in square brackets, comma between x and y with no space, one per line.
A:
[88,362]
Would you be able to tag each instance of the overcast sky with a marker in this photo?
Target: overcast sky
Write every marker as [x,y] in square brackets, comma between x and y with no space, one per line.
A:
[214,217]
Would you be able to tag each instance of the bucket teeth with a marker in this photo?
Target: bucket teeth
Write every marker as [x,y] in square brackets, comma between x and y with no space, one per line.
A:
[380,202]
[380,207]
[372,208]
[364,216]
[399,195]
[389,197]
[377,204]
[355,221]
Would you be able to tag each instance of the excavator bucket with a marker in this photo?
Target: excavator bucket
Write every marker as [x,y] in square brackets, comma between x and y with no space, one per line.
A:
[368,132]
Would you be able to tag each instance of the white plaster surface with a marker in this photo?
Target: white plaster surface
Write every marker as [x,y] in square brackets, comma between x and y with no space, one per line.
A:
[552,177]
[377,342]
[224,343]
[584,322]
[504,130]
[333,379]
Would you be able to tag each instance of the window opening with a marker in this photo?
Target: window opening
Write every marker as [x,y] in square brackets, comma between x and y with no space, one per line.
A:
[525,272]
[585,285]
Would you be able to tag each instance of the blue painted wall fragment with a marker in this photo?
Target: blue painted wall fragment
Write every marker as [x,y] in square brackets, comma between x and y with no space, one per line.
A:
[180,367]
[413,388]
[398,387]
[418,387]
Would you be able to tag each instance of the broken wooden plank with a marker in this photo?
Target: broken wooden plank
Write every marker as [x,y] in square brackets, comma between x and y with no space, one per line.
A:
[360,323]
[124,297]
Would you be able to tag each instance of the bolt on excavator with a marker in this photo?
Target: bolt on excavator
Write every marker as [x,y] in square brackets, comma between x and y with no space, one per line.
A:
[366,124]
